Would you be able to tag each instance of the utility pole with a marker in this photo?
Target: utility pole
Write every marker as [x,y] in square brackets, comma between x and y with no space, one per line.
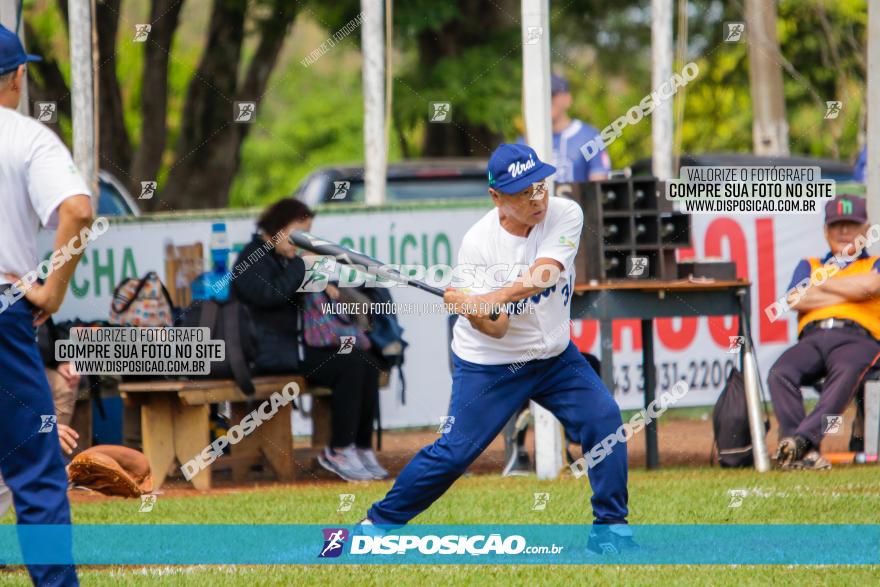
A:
[769,126]
[375,144]
[84,90]
[873,165]
[539,135]
[661,71]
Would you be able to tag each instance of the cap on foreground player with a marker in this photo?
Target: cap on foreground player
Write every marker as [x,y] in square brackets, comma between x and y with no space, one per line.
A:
[525,354]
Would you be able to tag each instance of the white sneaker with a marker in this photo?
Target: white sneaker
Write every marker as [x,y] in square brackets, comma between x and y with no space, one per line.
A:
[371,463]
[345,463]
[366,527]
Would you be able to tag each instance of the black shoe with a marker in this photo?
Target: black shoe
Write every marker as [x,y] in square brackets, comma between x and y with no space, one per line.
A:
[612,539]
[791,450]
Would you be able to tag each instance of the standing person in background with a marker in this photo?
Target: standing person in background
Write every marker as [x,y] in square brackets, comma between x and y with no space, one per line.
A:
[861,163]
[39,184]
[569,136]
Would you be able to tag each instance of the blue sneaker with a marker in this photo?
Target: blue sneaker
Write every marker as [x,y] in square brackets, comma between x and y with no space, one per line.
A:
[366,527]
[612,539]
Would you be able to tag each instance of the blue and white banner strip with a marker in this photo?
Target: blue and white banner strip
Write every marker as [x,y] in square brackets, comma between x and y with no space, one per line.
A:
[438,544]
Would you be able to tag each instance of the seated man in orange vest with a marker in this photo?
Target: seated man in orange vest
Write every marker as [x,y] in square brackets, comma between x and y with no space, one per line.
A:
[838,303]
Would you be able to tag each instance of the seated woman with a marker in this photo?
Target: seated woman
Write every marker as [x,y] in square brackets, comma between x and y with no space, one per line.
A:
[268,283]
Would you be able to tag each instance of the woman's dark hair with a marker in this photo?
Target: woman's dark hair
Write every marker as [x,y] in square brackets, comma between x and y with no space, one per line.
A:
[282,213]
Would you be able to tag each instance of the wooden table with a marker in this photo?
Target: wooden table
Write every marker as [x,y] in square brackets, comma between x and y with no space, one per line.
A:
[647,300]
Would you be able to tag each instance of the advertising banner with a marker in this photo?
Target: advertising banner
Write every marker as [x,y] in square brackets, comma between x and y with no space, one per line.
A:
[765,249]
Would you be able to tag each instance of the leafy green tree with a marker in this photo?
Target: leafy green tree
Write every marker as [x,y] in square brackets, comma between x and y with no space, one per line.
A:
[206,154]
[166,105]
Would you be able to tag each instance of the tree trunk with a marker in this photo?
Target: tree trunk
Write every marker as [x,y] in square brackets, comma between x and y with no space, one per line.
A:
[461,138]
[206,149]
[51,86]
[273,31]
[210,143]
[769,127]
[113,141]
[164,16]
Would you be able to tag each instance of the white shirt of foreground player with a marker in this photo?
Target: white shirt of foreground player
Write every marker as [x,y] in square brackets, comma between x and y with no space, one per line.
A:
[541,331]
[36,174]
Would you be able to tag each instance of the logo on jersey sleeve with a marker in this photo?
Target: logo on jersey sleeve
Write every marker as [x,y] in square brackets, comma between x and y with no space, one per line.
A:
[564,240]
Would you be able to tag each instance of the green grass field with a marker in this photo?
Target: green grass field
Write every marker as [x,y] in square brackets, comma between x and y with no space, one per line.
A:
[674,496]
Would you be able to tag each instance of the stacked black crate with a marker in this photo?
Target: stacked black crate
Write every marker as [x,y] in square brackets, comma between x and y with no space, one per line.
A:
[627,222]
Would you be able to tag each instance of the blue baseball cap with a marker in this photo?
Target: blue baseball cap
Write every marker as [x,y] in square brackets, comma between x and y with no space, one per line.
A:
[12,52]
[558,84]
[513,168]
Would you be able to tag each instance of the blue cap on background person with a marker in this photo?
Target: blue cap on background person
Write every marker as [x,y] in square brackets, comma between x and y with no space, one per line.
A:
[558,85]
[846,207]
[513,168]
[12,52]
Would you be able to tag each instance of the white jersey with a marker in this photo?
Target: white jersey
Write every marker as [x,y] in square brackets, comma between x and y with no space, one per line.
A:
[36,174]
[539,329]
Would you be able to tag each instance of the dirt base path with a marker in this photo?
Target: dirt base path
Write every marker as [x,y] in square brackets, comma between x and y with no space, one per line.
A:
[683,442]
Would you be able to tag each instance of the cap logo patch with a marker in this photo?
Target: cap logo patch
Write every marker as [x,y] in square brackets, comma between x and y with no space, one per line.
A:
[844,207]
[517,168]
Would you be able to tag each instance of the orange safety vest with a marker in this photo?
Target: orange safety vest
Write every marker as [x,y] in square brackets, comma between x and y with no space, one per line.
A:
[866,313]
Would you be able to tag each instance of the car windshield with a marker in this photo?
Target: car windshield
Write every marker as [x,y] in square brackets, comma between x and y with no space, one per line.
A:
[405,190]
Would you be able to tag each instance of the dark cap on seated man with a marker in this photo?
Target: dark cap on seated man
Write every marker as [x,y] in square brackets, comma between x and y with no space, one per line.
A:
[846,208]
[837,299]
[846,217]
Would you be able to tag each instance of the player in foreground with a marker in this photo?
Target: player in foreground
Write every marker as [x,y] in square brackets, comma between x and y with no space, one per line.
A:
[39,185]
[525,354]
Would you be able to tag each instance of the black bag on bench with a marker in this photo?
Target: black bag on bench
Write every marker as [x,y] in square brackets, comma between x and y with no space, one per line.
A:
[231,322]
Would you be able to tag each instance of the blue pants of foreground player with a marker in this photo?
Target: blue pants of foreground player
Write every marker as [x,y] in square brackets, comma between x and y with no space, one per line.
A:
[30,460]
[483,399]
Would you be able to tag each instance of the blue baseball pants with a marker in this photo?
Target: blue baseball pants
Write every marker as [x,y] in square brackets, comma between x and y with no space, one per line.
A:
[483,399]
[30,460]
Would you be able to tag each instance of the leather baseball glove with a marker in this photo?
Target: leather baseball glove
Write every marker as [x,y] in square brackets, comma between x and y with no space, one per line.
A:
[112,470]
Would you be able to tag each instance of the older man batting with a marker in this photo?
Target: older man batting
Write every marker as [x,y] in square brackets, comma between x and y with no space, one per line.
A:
[526,354]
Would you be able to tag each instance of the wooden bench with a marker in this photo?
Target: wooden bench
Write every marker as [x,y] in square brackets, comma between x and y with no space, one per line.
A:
[175,415]
[175,424]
